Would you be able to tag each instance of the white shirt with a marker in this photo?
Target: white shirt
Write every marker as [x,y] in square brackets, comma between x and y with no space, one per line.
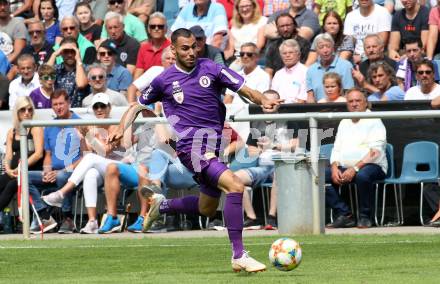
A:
[18,89]
[415,93]
[258,80]
[290,83]
[147,77]
[354,141]
[359,26]
[116,99]
[247,33]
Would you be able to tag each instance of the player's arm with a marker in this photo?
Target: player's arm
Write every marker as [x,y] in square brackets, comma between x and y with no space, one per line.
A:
[127,119]
[258,98]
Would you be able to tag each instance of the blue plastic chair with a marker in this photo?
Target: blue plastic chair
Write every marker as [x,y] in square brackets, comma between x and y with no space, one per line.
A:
[326,150]
[389,176]
[416,154]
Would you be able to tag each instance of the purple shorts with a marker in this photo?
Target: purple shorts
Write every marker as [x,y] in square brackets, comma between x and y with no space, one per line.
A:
[207,170]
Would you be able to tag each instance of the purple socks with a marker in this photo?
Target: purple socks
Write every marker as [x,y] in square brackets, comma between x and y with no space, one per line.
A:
[185,205]
[233,214]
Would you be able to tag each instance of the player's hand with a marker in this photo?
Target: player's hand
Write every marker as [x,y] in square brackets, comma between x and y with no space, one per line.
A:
[270,103]
[116,135]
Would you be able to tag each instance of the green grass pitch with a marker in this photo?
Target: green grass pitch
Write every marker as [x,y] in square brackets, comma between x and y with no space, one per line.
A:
[326,259]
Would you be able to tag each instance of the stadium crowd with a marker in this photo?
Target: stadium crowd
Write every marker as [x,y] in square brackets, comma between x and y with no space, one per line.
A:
[101,54]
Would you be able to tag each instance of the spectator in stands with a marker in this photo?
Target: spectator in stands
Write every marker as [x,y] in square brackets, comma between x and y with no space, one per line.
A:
[287,29]
[427,88]
[70,74]
[323,7]
[92,167]
[21,8]
[271,7]
[5,66]
[205,50]
[48,14]
[41,95]
[209,15]
[88,28]
[406,75]
[144,81]
[393,5]
[23,109]
[62,154]
[374,51]
[433,44]
[382,76]
[410,22]
[4,94]
[118,77]
[127,46]
[150,52]
[132,26]
[24,84]
[38,47]
[13,32]
[247,26]
[99,9]
[358,157]
[131,175]
[369,18]
[70,28]
[266,138]
[65,8]
[344,45]
[141,9]
[306,21]
[327,62]
[332,88]
[290,81]
[97,77]
[254,75]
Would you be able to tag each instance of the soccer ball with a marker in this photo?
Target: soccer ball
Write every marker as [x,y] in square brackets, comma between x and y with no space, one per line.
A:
[285,254]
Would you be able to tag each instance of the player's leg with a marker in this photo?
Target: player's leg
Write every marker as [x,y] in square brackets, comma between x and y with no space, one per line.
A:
[233,214]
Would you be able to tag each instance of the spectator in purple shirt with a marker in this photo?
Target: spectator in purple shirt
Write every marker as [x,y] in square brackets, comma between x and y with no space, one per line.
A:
[41,95]
[190,92]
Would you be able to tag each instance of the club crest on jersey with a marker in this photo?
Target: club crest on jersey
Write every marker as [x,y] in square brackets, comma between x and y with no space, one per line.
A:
[204,81]
[178,92]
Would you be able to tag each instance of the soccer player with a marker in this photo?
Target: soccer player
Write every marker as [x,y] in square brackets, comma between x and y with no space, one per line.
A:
[190,92]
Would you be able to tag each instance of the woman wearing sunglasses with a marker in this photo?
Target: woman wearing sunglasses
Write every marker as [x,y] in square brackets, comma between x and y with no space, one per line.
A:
[41,95]
[23,109]
[91,170]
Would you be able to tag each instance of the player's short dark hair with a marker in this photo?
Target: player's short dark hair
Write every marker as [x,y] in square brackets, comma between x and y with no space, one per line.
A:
[186,33]
[412,40]
[59,93]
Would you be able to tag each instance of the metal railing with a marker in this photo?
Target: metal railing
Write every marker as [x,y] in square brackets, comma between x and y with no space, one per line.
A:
[313,119]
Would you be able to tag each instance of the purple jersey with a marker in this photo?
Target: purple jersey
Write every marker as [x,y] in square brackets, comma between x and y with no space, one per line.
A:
[40,100]
[192,101]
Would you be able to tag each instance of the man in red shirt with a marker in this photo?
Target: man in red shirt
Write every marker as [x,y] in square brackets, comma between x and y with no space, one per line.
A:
[150,52]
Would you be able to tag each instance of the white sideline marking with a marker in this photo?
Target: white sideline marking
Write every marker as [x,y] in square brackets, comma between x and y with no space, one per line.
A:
[211,245]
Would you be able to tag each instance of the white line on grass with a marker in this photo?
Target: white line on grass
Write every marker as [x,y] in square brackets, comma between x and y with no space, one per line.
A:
[212,245]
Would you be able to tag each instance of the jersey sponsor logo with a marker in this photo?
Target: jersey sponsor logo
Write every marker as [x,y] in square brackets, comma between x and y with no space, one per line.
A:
[146,93]
[230,76]
[204,81]
[123,56]
[178,92]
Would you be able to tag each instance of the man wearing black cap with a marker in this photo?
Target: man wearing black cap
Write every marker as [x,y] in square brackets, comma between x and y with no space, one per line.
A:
[205,50]
[118,77]
[127,46]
